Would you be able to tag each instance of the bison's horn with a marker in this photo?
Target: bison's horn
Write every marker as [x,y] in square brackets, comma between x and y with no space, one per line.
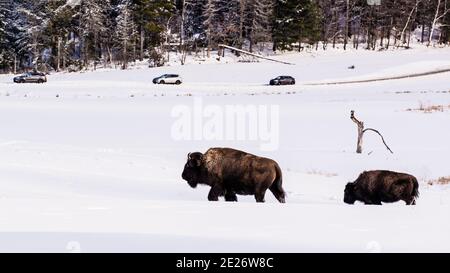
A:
[189,156]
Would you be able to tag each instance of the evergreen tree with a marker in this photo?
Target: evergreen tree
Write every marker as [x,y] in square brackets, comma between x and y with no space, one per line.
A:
[92,27]
[295,21]
[125,30]
[258,22]
[4,44]
[193,26]
[445,36]
[151,18]
[30,21]
[62,34]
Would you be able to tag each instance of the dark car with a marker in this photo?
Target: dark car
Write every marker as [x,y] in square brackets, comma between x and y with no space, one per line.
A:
[282,80]
[168,79]
[36,77]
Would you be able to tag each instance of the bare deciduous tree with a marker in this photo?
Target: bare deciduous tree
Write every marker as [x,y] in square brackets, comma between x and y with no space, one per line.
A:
[440,13]
[362,130]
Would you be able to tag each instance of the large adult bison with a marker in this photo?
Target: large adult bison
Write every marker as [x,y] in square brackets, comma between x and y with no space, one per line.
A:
[374,187]
[229,172]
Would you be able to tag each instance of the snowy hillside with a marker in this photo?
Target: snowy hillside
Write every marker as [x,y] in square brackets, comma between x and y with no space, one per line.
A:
[88,161]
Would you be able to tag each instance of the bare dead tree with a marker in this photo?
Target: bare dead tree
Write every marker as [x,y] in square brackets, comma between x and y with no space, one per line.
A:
[410,16]
[438,16]
[362,130]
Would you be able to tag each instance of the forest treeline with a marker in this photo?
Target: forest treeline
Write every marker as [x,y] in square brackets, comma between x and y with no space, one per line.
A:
[75,34]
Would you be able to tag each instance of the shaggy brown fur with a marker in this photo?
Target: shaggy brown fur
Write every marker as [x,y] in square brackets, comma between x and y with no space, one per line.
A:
[229,172]
[374,187]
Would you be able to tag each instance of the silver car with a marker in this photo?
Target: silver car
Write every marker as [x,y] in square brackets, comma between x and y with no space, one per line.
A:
[36,77]
[168,79]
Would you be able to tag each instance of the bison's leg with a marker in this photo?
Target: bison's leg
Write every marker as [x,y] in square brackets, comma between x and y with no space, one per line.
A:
[230,196]
[259,198]
[259,195]
[411,201]
[215,192]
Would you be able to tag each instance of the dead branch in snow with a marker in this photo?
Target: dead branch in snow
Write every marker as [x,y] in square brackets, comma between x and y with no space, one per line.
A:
[362,130]
[252,54]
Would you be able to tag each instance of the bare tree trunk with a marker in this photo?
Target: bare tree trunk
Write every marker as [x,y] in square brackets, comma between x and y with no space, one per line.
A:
[141,50]
[356,38]
[423,33]
[395,37]
[241,22]
[183,54]
[58,58]
[110,58]
[436,18]
[382,37]
[368,38]
[85,53]
[346,24]
[209,16]
[209,46]
[95,52]
[402,35]
[134,51]
[15,64]
[124,57]
[182,25]
[250,42]
[360,125]
[411,28]
[362,130]
[433,24]
[35,52]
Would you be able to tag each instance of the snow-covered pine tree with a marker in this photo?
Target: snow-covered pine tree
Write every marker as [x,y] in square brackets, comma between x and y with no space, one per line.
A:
[209,15]
[295,21]
[61,23]
[12,34]
[4,12]
[126,29]
[92,27]
[445,28]
[258,23]
[193,27]
[228,22]
[28,22]
[151,18]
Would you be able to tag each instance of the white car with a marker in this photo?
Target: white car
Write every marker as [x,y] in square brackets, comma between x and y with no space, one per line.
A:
[168,79]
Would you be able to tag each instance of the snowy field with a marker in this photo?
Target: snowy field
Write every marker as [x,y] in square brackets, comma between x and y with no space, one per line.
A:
[88,162]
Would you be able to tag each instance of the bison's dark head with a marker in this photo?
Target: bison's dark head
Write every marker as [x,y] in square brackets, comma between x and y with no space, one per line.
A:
[191,172]
[349,193]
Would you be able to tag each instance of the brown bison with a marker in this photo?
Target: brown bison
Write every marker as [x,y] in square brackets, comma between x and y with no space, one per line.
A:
[229,172]
[374,187]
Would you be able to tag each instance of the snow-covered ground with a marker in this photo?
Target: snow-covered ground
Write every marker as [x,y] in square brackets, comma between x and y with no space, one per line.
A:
[88,161]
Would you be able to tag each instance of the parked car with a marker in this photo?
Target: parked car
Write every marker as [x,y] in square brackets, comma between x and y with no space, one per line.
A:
[36,77]
[282,80]
[168,79]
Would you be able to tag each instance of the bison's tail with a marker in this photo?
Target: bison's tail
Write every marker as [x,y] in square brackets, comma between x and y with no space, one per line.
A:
[279,178]
[415,192]
[277,185]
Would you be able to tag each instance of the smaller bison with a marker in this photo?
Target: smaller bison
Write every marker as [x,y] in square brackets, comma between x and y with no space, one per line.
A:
[229,172]
[374,187]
